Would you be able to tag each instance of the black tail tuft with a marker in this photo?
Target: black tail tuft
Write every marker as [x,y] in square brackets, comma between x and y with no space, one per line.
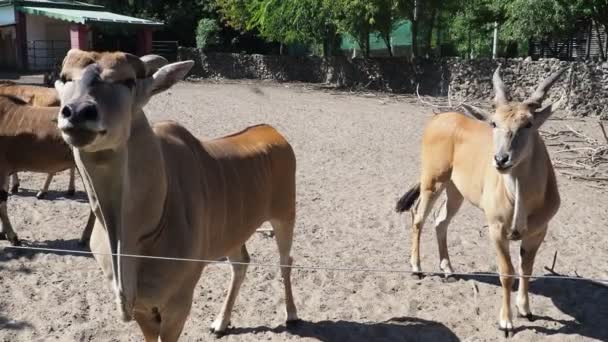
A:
[407,200]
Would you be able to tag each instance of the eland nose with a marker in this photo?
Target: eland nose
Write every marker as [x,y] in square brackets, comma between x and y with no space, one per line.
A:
[80,112]
[501,159]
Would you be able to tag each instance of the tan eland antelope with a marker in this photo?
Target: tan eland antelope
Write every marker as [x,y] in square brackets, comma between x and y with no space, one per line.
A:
[501,166]
[157,190]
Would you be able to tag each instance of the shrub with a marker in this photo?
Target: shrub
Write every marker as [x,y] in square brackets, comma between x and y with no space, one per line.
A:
[207,33]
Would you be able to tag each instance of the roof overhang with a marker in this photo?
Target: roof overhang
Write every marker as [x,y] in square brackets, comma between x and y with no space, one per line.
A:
[52,4]
[85,17]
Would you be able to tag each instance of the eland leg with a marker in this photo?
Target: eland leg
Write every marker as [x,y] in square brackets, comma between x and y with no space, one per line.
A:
[527,254]
[283,230]
[88,229]
[45,188]
[16,183]
[173,318]
[149,323]
[505,267]
[71,186]
[429,193]
[239,270]
[7,228]
[450,207]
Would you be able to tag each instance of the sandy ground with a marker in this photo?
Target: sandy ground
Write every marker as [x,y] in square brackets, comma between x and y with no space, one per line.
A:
[356,155]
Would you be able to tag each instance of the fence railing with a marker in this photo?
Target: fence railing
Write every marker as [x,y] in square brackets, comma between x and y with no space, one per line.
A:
[43,55]
[165,48]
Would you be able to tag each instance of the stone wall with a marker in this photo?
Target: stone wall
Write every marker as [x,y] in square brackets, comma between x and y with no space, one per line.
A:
[585,85]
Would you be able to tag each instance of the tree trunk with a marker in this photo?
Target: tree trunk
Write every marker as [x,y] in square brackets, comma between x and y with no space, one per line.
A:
[599,41]
[495,41]
[438,36]
[469,46]
[367,45]
[429,35]
[414,21]
[387,42]
[589,35]
[606,47]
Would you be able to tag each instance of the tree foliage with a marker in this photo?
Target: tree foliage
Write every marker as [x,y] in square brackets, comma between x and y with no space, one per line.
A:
[466,25]
[207,33]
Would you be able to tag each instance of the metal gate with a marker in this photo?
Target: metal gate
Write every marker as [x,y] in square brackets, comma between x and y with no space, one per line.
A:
[165,48]
[44,55]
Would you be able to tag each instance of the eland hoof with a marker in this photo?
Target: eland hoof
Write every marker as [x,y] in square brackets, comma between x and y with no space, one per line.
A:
[15,189]
[217,333]
[41,195]
[450,279]
[507,328]
[218,329]
[530,317]
[292,323]
[514,236]
[70,193]
[15,241]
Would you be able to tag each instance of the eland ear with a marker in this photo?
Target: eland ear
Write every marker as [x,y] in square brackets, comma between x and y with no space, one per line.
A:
[476,112]
[168,75]
[153,63]
[542,115]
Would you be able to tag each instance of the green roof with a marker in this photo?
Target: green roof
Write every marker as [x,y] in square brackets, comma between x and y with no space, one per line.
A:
[68,4]
[86,16]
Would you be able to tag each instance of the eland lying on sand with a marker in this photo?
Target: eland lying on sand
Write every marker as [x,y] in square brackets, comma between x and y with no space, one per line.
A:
[157,190]
[501,166]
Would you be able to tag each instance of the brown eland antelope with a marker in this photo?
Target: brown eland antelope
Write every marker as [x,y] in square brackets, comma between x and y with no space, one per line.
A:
[41,97]
[501,166]
[29,141]
[157,190]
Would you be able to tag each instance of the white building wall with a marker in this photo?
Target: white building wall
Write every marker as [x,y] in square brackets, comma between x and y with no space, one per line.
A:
[7,15]
[48,40]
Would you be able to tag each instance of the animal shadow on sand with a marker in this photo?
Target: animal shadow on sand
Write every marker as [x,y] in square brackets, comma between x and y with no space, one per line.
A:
[586,302]
[395,329]
[71,246]
[9,324]
[51,195]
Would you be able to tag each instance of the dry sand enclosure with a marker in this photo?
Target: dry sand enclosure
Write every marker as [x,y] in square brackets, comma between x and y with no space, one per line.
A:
[356,155]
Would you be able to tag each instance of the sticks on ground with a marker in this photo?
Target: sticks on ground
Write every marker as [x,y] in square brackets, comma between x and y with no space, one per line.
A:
[441,107]
[579,156]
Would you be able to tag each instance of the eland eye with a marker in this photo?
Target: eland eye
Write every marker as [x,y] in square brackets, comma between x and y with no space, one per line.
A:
[493,124]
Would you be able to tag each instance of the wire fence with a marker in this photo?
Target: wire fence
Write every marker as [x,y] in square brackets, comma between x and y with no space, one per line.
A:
[599,281]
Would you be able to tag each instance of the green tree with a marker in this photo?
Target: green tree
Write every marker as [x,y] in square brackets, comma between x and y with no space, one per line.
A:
[284,21]
[207,33]
[540,19]
[384,17]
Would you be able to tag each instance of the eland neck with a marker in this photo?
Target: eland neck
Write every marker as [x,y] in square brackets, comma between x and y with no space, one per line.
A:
[127,189]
